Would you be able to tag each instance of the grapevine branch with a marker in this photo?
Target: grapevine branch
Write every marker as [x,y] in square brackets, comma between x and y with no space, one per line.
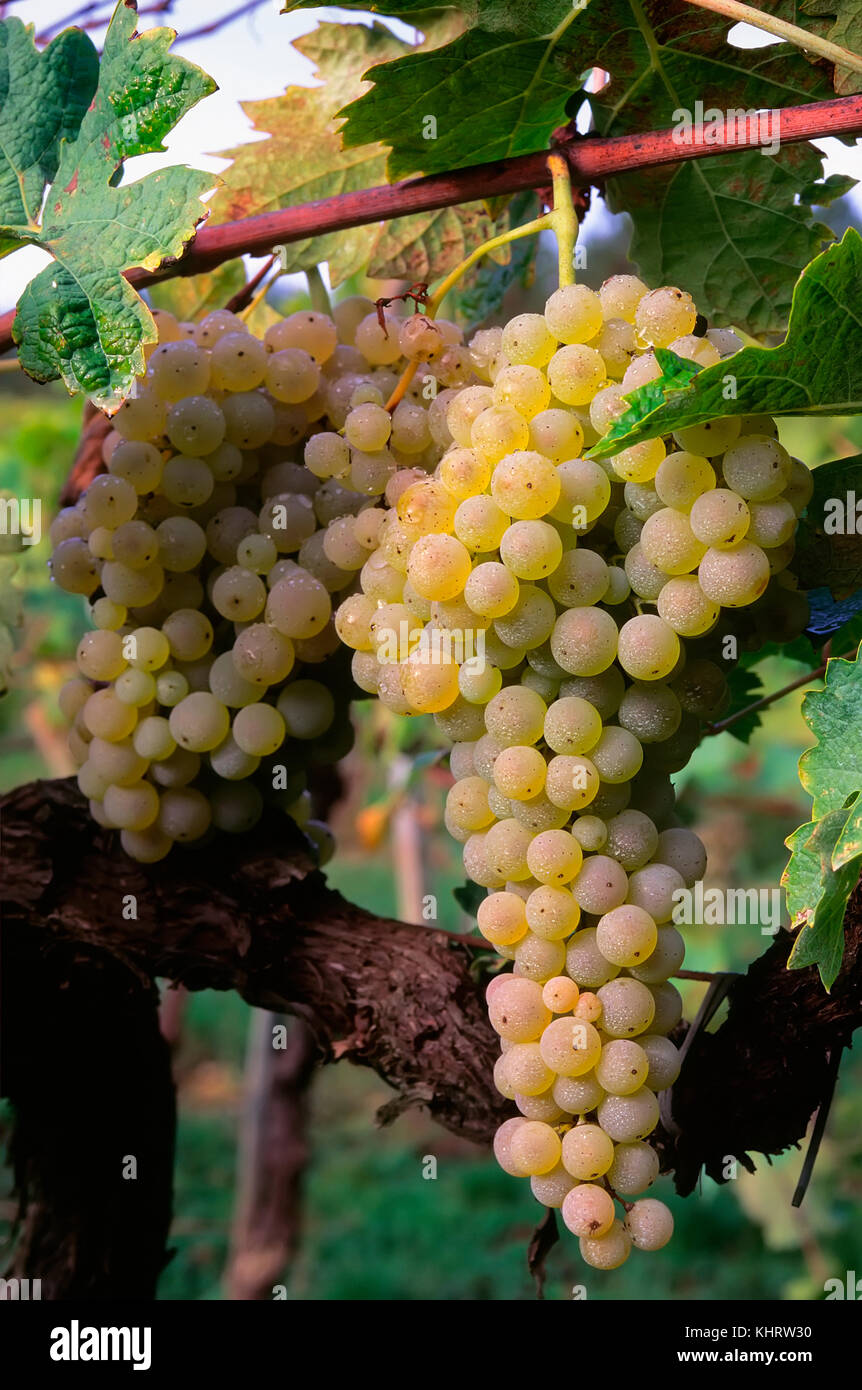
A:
[400,999]
[590,161]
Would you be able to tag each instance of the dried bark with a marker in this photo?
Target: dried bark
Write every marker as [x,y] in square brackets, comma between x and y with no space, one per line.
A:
[259,918]
[89,1077]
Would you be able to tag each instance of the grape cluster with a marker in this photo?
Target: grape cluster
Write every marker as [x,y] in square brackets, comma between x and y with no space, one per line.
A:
[240,496]
[566,623]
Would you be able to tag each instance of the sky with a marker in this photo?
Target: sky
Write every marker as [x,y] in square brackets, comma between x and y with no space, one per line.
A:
[253,58]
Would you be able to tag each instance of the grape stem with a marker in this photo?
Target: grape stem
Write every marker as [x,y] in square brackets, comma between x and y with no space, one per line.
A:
[431,310]
[244,296]
[814,675]
[317,291]
[565,218]
[791,33]
[626,1206]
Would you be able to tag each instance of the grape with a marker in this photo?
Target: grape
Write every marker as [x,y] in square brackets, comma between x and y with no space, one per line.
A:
[635,1166]
[539,959]
[720,517]
[534,1149]
[617,756]
[648,647]
[132,807]
[684,606]
[184,814]
[682,478]
[195,425]
[178,369]
[525,485]
[664,314]
[646,579]
[517,1011]
[649,1223]
[756,467]
[626,936]
[640,463]
[663,1059]
[528,1073]
[772,523]
[554,857]
[669,542]
[577,1094]
[552,1187]
[585,491]
[664,960]
[528,623]
[632,839]
[556,434]
[560,994]
[584,641]
[569,1046]
[532,549]
[587,1153]
[199,722]
[576,373]
[682,850]
[620,295]
[607,1251]
[519,771]
[627,1007]
[585,962]
[579,580]
[574,314]
[650,711]
[617,343]
[502,920]
[734,576]
[527,339]
[656,888]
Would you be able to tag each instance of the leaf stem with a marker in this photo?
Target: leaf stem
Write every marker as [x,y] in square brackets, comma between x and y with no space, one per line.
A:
[246,313]
[814,675]
[564,217]
[432,308]
[317,291]
[539,224]
[771,24]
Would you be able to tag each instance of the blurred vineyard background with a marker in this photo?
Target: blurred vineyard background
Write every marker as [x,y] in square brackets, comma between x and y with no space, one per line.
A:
[373,1226]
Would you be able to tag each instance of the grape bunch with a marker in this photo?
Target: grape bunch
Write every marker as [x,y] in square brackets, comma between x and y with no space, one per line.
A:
[568,625]
[241,493]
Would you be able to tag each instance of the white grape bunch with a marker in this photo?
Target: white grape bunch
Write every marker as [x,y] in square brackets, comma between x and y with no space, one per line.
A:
[240,502]
[565,624]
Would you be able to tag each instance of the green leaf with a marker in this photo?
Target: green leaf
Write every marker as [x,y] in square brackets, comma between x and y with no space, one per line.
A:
[480,294]
[43,98]
[828,546]
[848,845]
[831,771]
[745,687]
[825,191]
[468,896]
[79,318]
[190,297]
[303,161]
[517,73]
[845,30]
[819,896]
[817,370]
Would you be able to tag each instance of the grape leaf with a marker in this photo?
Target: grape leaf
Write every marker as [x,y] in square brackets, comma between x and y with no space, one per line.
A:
[517,73]
[43,98]
[828,545]
[843,617]
[745,687]
[831,771]
[480,293]
[468,896]
[190,297]
[817,370]
[303,160]
[817,894]
[845,30]
[79,319]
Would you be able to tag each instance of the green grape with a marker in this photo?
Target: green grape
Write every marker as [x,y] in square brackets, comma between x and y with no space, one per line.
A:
[617,756]
[556,434]
[632,839]
[622,1068]
[636,1164]
[199,722]
[585,491]
[735,575]
[569,1046]
[682,850]
[515,716]
[684,606]
[527,340]
[607,1251]
[525,485]
[664,1065]
[527,624]
[669,542]
[600,886]
[620,295]
[132,807]
[580,578]
[664,314]
[649,1224]
[682,478]
[554,857]
[576,373]
[532,549]
[195,425]
[584,641]
[664,960]
[756,467]
[648,647]
[720,517]
[651,712]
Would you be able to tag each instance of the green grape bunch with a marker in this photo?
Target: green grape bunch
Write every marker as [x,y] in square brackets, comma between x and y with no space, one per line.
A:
[608,601]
